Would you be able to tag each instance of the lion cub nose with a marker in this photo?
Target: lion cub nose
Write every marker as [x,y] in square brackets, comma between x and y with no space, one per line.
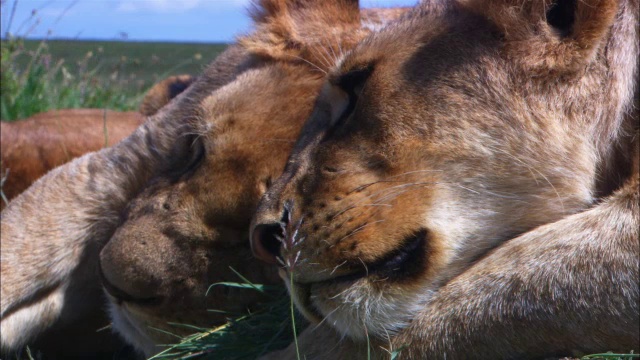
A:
[127,267]
[265,242]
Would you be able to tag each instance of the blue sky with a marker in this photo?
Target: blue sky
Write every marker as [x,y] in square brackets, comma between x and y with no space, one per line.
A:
[141,20]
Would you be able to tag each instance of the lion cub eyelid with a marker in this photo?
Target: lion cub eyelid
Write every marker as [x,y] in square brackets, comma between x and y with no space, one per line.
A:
[337,100]
[195,156]
[353,80]
[343,92]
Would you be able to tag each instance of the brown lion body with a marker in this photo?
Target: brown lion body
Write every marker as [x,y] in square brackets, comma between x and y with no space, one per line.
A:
[464,127]
[173,227]
[33,146]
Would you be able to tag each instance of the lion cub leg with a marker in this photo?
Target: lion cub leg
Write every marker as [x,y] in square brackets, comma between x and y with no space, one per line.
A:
[52,233]
[563,287]
[63,219]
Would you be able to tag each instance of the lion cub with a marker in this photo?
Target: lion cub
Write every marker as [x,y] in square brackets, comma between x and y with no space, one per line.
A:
[189,230]
[444,135]
[155,236]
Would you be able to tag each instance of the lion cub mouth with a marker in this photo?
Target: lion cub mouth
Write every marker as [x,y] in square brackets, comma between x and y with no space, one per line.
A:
[301,295]
[403,264]
[119,296]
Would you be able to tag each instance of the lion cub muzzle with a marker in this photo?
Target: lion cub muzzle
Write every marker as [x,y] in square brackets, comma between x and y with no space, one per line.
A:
[125,279]
[323,269]
[270,244]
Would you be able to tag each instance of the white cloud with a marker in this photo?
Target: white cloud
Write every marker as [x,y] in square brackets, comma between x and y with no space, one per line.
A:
[166,6]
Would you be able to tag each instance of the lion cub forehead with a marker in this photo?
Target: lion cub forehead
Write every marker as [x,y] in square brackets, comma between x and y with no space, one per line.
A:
[397,41]
[246,90]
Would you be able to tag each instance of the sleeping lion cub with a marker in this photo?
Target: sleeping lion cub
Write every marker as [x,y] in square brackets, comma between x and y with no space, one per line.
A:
[444,135]
[166,221]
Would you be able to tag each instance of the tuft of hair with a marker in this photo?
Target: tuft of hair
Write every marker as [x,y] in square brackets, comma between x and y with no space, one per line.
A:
[304,30]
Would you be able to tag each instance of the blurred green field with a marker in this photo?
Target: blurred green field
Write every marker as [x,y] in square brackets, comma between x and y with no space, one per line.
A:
[141,61]
[43,75]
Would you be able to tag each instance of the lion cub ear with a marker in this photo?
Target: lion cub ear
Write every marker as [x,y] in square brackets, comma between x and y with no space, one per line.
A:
[550,35]
[163,92]
[297,29]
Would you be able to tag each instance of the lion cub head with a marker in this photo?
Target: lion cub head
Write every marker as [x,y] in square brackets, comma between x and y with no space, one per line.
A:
[189,229]
[436,139]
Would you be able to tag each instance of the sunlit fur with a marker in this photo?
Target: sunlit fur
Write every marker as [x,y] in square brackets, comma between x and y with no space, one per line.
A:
[176,227]
[479,121]
[246,129]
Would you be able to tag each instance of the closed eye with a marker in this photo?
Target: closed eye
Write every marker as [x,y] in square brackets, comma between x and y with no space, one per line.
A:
[352,83]
[193,158]
[196,155]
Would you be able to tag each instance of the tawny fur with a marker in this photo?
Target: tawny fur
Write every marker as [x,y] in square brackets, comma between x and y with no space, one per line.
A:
[472,125]
[182,228]
[52,234]
[248,129]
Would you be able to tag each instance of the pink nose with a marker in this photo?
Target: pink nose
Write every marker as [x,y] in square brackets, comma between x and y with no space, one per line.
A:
[265,242]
